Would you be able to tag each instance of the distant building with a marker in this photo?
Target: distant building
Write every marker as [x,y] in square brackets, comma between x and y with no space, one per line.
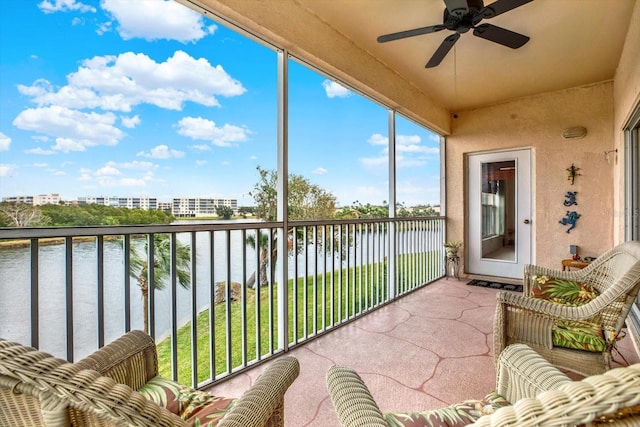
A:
[188,207]
[193,207]
[46,199]
[40,199]
[18,199]
[165,207]
[147,203]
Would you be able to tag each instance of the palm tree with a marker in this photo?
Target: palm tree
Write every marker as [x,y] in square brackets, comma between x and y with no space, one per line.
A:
[264,260]
[162,268]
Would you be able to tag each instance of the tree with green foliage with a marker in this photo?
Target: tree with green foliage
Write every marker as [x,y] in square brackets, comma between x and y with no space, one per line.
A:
[359,211]
[246,210]
[305,201]
[162,264]
[94,214]
[224,212]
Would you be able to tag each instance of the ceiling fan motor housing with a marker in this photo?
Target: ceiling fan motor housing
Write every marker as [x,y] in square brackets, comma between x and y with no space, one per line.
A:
[462,19]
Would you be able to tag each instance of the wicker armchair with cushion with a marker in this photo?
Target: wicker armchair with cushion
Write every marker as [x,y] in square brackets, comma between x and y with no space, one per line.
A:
[540,396]
[119,385]
[572,318]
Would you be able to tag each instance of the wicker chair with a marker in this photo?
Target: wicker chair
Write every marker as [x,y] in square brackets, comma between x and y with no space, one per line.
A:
[615,276]
[37,389]
[541,396]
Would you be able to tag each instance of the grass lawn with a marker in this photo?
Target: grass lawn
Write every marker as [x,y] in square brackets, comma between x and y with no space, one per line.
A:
[354,290]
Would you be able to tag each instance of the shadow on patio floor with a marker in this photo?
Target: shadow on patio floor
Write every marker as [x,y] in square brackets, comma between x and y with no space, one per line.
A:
[430,349]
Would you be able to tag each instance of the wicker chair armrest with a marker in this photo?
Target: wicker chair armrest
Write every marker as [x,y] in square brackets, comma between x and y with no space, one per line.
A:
[130,359]
[352,399]
[60,384]
[263,403]
[611,397]
[522,373]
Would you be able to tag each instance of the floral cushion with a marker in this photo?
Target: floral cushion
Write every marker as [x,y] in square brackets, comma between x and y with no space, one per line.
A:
[457,415]
[582,335]
[198,408]
[566,292]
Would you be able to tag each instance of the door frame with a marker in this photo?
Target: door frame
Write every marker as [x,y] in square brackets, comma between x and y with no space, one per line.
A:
[475,264]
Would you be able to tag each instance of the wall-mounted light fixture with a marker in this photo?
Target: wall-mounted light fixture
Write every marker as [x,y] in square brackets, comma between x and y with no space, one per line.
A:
[575,132]
[607,155]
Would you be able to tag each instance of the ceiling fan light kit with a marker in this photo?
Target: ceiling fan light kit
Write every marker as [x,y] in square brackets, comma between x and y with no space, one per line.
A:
[461,16]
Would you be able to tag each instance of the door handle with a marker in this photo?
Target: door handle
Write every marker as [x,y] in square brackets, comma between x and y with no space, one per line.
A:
[526,221]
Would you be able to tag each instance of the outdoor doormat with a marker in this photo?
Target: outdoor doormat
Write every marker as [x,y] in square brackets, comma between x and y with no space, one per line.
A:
[495,285]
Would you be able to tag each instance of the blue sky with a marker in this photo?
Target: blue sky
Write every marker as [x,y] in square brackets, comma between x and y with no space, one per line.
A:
[148,98]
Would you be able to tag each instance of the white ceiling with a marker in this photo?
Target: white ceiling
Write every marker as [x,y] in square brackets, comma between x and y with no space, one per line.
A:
[573,43]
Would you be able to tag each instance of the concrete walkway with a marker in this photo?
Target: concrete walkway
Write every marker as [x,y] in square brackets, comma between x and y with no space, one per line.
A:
[425,351]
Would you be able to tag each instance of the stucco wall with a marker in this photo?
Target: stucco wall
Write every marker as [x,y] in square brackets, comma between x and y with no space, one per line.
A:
[537,123]
[626,98]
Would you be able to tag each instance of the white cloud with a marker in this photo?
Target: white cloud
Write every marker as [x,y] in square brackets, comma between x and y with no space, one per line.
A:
[135,165]
[7,169]
[40,151]
[104,27]
[108,181]
[409,151]
[5,142]
[200,147]
[130,122]
[162,152]
[157,19]
[378,139]
[201,162]
[335,90]
[374,162]
[111,175]
[74,130]
[411,144]
[203,129]
[108,170]
[40,165]
[320,171]
[48,6]
[225,163]
[119,83]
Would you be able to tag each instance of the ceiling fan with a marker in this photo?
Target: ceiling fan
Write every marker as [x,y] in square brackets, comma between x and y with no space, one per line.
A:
[461,16]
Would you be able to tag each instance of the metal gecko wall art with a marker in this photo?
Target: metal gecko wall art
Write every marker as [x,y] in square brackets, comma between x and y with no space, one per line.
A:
[573,172]
[571,217]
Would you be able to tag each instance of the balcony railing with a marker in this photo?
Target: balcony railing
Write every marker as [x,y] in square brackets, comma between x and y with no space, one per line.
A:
[70,290]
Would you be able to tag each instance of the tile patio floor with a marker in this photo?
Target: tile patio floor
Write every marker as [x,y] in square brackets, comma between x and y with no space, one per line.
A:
[430,349]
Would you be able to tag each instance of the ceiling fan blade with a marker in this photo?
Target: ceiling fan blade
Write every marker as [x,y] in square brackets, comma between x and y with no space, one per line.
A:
[500,35]
[501,6]
[442,51]
[410,33]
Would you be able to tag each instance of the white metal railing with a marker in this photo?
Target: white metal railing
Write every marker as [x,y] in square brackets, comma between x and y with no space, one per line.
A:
[70,290]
